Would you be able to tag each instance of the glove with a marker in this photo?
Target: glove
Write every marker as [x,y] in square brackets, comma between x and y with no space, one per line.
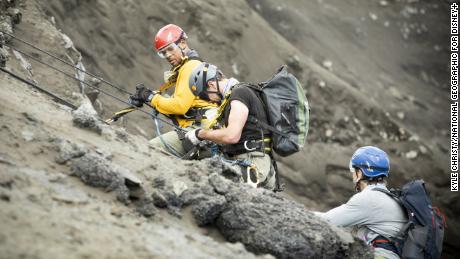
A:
[192,136]
[141,96]
[134,101]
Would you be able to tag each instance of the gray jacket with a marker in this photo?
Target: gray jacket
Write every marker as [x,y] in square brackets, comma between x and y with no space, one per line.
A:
[370,213]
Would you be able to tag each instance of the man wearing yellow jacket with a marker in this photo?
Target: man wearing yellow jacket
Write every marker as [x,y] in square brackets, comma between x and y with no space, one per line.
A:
[183,106]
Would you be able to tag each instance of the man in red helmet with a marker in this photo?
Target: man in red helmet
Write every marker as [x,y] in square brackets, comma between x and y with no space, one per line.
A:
[183,106]
[171,45]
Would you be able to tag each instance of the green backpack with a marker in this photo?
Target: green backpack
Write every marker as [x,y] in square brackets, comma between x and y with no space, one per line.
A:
[287,110]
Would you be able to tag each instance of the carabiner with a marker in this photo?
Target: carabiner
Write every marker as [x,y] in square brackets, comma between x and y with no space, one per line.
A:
[252,169]
[246,147]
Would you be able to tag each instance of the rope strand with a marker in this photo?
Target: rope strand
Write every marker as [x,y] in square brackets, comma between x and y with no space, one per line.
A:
[93,87]
[69,75]
[67,63]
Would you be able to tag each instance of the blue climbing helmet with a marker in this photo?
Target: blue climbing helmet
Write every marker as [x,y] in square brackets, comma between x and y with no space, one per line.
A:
[372,161]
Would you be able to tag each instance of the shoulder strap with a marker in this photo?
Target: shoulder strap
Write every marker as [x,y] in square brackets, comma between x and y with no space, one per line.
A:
[392,195]
[384,191]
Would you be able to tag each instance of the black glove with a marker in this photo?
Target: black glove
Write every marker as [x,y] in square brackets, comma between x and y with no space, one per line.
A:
[141,96]
[134,101]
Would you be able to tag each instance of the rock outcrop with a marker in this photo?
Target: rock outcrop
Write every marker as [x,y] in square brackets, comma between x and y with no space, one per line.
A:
[268,223]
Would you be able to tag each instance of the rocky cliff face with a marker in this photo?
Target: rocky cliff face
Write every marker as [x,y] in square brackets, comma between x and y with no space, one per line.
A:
[102,184]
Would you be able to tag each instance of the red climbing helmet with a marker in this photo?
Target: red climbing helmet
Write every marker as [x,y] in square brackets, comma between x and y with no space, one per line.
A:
[170,33]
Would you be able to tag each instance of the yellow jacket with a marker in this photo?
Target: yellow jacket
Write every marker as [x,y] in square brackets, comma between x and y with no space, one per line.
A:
[183,99]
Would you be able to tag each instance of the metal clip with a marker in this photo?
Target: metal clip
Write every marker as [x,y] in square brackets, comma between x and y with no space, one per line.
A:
[246,147]
[252,169]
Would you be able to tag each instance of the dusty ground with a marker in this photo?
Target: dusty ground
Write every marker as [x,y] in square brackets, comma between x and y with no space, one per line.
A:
[375,74]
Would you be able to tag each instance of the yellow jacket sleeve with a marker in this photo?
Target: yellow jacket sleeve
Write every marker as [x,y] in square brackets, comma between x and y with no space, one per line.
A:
[183,98]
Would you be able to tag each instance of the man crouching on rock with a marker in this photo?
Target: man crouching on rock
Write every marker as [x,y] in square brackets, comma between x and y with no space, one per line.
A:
[375,216]
[243,145]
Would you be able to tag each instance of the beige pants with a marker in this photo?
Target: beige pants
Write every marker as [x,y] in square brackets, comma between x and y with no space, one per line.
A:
[174,143]
[259,172]
[172,140]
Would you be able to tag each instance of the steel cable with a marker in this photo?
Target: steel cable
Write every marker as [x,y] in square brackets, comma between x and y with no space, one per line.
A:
[94,87]
[67,63]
